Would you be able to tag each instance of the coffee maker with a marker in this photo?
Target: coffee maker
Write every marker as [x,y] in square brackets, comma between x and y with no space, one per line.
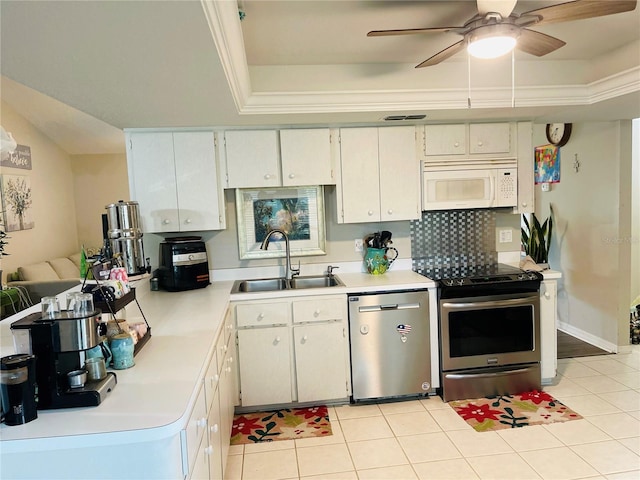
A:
[59,345]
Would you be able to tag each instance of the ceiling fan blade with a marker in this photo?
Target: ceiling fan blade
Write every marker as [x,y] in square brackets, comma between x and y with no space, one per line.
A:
[503,7]
[580,9]
[411,31]
[443,54]
[536,43]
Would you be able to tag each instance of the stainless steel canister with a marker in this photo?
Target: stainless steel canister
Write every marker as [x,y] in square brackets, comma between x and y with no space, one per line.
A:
[123,219]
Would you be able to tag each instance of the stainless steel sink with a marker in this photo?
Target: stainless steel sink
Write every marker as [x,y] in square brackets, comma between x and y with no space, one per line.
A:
[278,284]
[260,285]
[315,281]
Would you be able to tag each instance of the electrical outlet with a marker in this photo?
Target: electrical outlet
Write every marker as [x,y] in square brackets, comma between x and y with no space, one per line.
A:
[506,236]
[358,244]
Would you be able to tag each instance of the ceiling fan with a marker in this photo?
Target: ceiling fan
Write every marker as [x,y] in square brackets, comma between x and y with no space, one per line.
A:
[496,24]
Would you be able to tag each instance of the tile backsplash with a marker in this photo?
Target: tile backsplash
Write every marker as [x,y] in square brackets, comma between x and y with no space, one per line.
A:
[441,239]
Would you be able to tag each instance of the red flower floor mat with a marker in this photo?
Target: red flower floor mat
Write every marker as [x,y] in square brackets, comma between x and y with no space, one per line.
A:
[284,424]
[512,411]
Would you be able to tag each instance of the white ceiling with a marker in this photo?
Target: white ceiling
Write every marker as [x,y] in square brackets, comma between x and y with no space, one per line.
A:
[81,71]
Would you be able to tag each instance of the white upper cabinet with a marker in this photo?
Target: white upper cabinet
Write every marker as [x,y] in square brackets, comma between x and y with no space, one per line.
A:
[306,157]
[489,138]
[252,158]
[271,158]
[469,140]
[174,178]
[445,140]
[379,175]
[525,168]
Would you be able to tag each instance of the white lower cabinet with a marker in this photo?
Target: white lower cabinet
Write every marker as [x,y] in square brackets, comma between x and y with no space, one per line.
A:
[208,433]
[265,365]
[301,356]
[548,334]
[320,370]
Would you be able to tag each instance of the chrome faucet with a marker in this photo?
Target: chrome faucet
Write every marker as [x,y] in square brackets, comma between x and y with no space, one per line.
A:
[290,272]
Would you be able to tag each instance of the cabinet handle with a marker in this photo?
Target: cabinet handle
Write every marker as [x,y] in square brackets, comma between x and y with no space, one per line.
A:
[261,316]
[278,339]
[214,428]
[224,348]
[370,212]
[305,338]
[457,144]
[316,313]
[215,378]
[524,204]
[547,295]
[267,176]
[208,450]
[202,422]
[291,175]
[390,212]
[230,360]
[480,143]
[188,220]
[165,222]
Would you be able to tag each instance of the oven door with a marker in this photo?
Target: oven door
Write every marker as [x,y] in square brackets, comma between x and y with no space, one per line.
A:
[496,330]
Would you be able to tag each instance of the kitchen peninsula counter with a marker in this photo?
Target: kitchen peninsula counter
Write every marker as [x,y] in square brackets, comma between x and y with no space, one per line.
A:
[153,400]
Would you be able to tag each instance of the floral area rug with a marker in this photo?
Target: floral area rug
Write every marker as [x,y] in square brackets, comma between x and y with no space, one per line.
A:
[285,424]
[513,411]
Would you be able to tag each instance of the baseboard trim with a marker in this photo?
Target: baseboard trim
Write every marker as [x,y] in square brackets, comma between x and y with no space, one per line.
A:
[587,337]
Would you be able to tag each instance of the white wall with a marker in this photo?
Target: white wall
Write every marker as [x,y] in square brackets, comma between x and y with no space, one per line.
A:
[591,244]
[53,209]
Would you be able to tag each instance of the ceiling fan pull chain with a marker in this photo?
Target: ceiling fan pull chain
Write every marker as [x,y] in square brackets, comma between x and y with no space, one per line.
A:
[513,79]
[468,80]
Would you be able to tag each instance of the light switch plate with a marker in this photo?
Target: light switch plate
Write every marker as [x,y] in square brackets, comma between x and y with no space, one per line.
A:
[358,244]
[506,236]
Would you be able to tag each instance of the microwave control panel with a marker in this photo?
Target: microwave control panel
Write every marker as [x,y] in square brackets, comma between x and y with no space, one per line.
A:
[507,187]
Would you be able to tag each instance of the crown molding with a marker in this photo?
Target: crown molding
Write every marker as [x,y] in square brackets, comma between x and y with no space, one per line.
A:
[226,30]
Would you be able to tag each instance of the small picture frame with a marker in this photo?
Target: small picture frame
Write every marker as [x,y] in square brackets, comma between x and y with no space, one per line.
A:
[299,211]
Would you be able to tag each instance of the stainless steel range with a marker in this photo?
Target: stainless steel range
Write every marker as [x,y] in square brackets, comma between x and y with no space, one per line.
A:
[489,329]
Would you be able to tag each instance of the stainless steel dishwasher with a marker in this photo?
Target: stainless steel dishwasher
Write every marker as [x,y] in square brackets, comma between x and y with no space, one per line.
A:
[390,352]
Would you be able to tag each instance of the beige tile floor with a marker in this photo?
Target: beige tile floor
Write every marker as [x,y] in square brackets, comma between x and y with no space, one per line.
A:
[425,439]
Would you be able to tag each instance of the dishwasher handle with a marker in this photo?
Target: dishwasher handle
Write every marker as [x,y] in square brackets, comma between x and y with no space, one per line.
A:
[387,307]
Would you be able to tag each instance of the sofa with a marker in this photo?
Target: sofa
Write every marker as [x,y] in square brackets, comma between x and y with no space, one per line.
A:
[47,278]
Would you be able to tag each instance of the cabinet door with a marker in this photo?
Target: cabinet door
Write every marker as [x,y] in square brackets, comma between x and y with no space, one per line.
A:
[360,190]
[201,467]
[525,168]
[445,140]
[265,368]
[306,157]
[489,138]
[399,174]
[253,158]
[215,440]
[320,361]
[199,200]
[548,335]
[152,180]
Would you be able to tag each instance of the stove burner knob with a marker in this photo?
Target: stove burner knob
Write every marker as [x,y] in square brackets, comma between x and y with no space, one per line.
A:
[461,281]
[449,282]
[522,276]
[532,276]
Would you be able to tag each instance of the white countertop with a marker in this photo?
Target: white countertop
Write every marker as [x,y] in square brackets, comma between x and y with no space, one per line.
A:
[154,398]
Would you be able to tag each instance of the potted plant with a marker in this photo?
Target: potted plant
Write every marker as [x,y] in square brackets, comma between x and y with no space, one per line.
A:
[536,237]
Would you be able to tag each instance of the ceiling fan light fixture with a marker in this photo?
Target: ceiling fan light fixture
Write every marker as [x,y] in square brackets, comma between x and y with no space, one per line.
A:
[492,41]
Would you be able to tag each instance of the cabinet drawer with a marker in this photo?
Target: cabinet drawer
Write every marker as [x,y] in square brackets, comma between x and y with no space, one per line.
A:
[319,310]
[211,379]
[259,314]
[196,427]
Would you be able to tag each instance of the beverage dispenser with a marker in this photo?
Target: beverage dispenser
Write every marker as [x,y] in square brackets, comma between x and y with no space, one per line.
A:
[125,235]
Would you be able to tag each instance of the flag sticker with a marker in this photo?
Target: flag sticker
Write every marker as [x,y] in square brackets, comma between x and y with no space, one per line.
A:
[403,328]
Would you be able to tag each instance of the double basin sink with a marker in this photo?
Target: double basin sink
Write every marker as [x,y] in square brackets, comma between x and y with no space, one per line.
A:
[276,284]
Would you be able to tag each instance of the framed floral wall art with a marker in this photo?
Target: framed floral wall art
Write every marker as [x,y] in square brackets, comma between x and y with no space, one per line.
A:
[16,202]
[299,211]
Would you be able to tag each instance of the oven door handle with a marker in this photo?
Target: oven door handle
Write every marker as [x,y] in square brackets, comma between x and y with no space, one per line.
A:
[499,373]
[507,302]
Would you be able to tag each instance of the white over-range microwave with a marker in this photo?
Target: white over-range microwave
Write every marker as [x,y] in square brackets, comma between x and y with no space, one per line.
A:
[455,184]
